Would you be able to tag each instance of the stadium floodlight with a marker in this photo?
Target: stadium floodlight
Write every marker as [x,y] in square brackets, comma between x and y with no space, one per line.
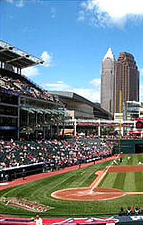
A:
[6,49]
[10,48]
[5,46]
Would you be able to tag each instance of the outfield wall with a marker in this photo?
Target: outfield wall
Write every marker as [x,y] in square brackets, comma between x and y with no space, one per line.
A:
[130,146]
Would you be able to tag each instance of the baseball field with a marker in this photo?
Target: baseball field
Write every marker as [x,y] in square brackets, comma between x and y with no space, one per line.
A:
[98,189]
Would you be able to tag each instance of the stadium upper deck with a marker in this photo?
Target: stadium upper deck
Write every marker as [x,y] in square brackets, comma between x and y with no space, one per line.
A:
[11,55]
[25,108]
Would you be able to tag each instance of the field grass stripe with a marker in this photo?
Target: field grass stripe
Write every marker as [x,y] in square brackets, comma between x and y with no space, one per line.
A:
[55,187]
[85,175]
[89,179]
[86,178]
[125,160]
[129,183]
[140,158]
[81,179]
[138,176]
[131,160]
[108,180]
[135,160]
[119,181]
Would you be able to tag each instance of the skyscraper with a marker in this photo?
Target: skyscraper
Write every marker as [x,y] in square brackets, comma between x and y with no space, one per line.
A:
[126,80]
[107,81]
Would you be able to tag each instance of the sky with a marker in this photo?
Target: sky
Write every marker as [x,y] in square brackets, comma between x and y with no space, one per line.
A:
[72,37]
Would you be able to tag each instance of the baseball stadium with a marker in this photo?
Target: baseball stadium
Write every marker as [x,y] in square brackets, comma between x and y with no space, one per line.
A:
[79,179]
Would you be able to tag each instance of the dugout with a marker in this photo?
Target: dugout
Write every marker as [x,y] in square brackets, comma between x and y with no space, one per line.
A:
[11,173]
[129,146]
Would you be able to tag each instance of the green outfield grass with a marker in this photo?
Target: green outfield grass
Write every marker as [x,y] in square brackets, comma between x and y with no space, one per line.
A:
[125,181]
[135,158]
[41,190]
[132,181]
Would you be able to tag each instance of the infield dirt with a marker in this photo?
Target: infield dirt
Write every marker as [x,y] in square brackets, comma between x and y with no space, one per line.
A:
[97,194]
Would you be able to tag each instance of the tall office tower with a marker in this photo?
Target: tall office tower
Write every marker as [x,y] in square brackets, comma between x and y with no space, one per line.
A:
[107,81]
[126,80]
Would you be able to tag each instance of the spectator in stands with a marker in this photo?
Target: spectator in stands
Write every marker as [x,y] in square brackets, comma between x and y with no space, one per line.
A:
[55,154]
[129,211]
[122,212]
[38,220]
[137,210]
[25,88]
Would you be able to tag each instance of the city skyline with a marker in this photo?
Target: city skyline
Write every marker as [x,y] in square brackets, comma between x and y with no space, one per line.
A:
[126,81]
[73,37]
[107,81]
[117,76]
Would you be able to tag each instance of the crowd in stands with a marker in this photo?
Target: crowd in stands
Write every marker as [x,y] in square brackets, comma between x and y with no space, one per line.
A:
[55,154]
[130,211]
[21,87]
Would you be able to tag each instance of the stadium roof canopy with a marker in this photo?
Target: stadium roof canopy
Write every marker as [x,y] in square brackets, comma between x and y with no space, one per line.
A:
[98,111]
[73,96]
[16,57]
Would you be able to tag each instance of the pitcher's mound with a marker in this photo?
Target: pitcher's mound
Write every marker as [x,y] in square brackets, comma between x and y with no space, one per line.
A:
[87,194]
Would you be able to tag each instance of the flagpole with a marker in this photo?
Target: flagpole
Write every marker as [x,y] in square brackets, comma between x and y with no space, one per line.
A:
[120,119]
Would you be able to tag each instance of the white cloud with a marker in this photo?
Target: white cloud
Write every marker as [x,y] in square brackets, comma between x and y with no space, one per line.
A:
[47,59]
[141,72]
[30,71]
[33,70]
[141,92]
[81,15]
[141,84]
[92,94]
[27,30]
[96,82]
[10,1]
[59,85]
[112,12]
[89,93]
[18,3]
[53,12]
